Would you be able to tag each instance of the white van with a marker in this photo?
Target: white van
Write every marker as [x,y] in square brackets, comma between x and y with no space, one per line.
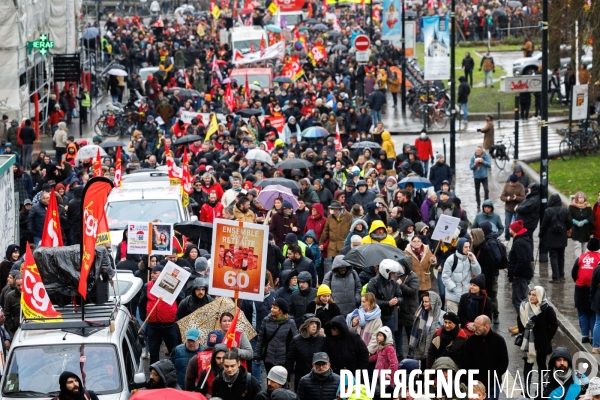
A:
[292,18]
[105,347]
[241,37]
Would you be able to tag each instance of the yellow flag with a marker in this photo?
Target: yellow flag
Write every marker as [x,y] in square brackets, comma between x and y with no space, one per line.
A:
[212,127]
[273,8]
[200,30]
[216,12]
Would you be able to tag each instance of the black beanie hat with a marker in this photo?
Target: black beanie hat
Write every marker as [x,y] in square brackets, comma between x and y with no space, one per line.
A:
[450,316]
[479,280]
[593,244]
[282,305]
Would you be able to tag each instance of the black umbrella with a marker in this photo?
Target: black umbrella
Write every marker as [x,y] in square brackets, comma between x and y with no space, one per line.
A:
[111,143]
[187,139]
[283,79]
[288,183]
[184,92]
[366,144]
[249,111]
[311,21]
[334,33]
[368,255]
[295,163]
[191,228]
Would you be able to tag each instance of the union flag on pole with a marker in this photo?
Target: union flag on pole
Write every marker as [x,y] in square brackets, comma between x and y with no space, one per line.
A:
[338,138]
[97,164]
[118,172]
[230,336]
[93,202]
[35,302]
[247,89]
[175,172]
[229,99]
[52,234]
[186,177]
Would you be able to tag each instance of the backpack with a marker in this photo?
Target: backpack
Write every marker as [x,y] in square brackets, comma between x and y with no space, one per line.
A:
[503,264]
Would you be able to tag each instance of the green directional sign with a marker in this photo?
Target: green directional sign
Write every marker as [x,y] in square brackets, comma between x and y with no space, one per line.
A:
[42,44]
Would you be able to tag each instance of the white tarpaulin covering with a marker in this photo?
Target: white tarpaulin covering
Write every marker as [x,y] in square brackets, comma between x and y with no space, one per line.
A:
[25,22]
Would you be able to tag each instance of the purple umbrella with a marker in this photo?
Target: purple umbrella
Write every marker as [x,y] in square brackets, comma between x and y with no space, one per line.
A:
[268,195]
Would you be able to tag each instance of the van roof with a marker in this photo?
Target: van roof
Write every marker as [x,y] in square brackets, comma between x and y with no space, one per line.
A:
[28,335]
[151,190]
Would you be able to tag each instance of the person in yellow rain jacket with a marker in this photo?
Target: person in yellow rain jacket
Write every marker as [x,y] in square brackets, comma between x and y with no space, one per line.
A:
[388,145]
[378,234]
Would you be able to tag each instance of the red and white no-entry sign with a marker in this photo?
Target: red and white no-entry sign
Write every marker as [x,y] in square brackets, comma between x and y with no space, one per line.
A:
[362,43]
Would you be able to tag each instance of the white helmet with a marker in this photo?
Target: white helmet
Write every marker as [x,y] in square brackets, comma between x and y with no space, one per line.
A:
[387,267]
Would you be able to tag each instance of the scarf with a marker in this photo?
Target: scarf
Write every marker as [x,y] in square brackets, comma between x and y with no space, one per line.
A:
[230,381]
[420,329]
[446,337]
[528,315]
[293,288]
[564,377]
[580,206]
[363,316]
[321,377]
[418,252]
[280,319]
[389,192]
[475,305]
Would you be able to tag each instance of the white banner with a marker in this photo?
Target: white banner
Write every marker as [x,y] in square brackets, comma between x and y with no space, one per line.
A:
[437,68]
[580,101]
[518,84]
[170,283]
[275,51]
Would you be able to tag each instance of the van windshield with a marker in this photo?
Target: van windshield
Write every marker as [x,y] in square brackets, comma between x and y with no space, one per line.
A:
[292,19]
[34,371]
[244,45]
[120,213]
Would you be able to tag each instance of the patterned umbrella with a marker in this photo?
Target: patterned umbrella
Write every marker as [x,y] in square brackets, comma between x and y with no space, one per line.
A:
[206,319]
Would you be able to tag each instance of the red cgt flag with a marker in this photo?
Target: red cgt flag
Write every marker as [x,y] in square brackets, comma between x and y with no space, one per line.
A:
[35,301]
[186,177]
[247,89]
[230,336]
[229,99]
[93,202]
[118,169]
[97,165]
[52,234]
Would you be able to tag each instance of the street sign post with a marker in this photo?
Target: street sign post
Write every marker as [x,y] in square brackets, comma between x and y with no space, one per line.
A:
[362,43]
[363,56]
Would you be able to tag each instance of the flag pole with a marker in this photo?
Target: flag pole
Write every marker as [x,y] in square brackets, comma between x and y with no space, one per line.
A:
[150,313]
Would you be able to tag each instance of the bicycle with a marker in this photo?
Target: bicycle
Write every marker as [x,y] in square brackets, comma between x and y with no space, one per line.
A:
[501,153]
[578,143]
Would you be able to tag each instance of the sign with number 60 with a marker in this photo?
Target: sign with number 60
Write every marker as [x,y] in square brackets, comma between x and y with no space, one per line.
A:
[239,262]
[238,280]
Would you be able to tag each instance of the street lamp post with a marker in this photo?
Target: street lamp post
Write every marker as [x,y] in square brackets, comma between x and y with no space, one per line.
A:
[544,126]
[403,87]
[452,88]
[371,20]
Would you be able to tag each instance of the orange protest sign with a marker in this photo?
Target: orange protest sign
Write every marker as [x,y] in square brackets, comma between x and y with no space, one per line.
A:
[239,262]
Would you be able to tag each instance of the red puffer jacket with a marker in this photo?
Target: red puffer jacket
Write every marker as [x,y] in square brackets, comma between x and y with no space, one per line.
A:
[164,313]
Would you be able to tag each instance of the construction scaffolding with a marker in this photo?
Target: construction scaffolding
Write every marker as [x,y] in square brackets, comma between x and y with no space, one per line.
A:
[25,73]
